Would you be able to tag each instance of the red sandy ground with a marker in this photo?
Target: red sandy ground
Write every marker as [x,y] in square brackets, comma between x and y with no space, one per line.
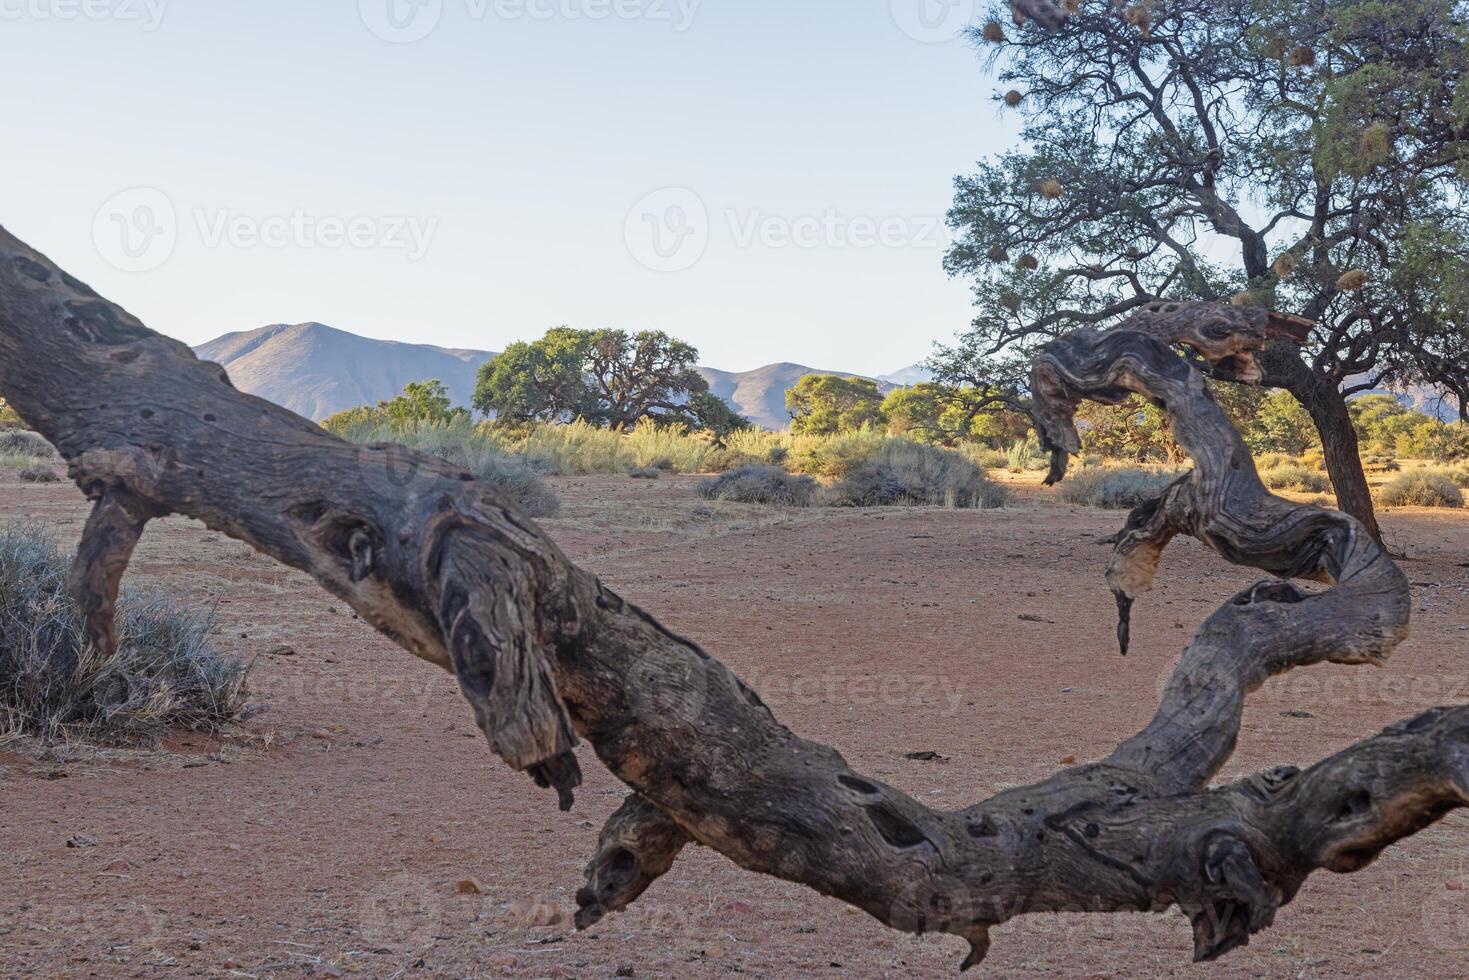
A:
[327,838]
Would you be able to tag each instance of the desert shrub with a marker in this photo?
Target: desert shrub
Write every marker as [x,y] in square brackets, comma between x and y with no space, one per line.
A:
[473,449]
[1270,461]
[724,460]
[575,449]
[760,484]
[18,442]
[760,444]
[667,447]
[645,473]
[1299,477]
[1026,455]
[984,456]
[1422,488]
[832,457]
[1115,487]
[915,474]
[54,685]
[1381,461]
[39,474]
[24,450]
[1460,476]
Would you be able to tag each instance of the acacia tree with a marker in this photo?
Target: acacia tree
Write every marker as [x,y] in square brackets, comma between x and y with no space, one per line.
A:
[609,377]
[457,573]
[825,404]
[1305,156]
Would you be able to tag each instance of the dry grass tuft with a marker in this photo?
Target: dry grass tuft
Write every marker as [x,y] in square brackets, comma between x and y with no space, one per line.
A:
[55,686]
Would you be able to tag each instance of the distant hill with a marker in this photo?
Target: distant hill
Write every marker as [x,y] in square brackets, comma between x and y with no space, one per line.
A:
[1431,401]
[913,374]
[315,370]
[760,395]
[1424,398]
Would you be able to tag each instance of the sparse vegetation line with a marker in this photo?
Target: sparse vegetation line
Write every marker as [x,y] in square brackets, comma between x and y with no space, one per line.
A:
[456,572]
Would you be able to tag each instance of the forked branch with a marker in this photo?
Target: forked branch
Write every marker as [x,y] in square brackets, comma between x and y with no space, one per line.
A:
[457,574]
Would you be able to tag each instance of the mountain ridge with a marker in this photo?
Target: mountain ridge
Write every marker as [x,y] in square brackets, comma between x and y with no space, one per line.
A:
[317,370]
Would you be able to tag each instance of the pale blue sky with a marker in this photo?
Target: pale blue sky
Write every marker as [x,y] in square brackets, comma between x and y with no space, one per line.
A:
[765,178]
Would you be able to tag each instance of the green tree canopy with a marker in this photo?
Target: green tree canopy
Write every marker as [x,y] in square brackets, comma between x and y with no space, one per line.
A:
[1306,155]
[1388,426]
[418,403]
[608,377]
[825,404]
[948,414]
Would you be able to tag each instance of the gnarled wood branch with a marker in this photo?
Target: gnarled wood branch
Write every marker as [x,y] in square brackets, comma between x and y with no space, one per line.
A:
[458,575]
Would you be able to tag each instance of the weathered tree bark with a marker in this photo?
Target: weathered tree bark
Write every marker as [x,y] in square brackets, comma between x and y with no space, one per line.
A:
[1327,406]
[545,653]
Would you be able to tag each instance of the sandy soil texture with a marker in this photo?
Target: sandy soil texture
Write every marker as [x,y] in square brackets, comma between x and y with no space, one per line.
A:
[328,836]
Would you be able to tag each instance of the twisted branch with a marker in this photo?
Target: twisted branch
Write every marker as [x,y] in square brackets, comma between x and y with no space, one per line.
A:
[458,575]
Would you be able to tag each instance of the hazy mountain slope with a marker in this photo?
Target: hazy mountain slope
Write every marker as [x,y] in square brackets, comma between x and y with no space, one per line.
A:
[315,370]
[913,374]
[760,395]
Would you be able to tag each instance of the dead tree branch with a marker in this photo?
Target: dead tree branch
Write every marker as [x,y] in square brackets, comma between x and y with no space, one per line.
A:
[458,575]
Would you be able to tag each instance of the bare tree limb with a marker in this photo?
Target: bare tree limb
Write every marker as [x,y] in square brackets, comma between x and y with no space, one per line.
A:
[458,575]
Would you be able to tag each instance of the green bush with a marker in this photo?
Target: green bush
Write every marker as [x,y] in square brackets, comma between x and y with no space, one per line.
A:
[833,457]
[54,685]
[915,474]
[1299,477]
[760,485]
[1422,488]
[1116,487]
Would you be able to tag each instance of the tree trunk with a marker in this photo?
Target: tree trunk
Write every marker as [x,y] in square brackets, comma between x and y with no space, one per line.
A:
[1328,409]
[456,573]
[1286,368]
